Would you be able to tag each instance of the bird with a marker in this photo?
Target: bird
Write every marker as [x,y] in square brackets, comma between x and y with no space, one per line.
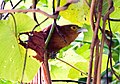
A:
[61,37]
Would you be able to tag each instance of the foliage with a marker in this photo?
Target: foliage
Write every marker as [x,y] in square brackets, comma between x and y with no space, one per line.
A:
[12,54]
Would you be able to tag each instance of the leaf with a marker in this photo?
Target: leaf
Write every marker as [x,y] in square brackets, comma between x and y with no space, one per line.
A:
[115,15]
[88,35]
[84,51]
[7,0]
[56,72]
[24,23]
[44,1]
[74,74]
[60,70]
[2,81]
[12,54]
[78,13]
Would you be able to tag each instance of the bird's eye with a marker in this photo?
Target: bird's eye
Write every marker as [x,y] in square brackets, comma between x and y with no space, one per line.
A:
[74,28]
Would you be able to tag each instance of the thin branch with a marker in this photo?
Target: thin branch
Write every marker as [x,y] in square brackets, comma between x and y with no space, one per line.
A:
[110,54]
[115,20]
[2,5]
[24,65]
[11,3]
[91,43]
[92,11]
[14,24]
[87,3]
[96,62]
[39,24]
[13,8]
[64,7]
[72,66]
[96,29]
[93,40]
[29,10]
[111,9]
[34,7]
[69,81]
[48,39]
[45,64]
[25,59]
[49,35]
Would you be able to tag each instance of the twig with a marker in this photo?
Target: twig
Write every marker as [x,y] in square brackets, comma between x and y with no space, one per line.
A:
[96,29]
[87,3]
[25,59]
[45,64]
[96,63]
[111,9]
[110,54]
[24,65]
[64,7]
[48,39]
[11,3]
[29,10]
[91,43]
[92,11]
[49,35]
[34,7]
[116,20]
[14,24]
[93,40]
[81,82]
[2,5]
[72,66]
[39,24]
[13,8]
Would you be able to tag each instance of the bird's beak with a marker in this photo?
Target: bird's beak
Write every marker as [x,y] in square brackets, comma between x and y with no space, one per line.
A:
[82,30]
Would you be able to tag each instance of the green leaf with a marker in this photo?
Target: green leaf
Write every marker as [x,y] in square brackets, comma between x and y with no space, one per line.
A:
[24,23]
[6,0]
[60,70]
[56,72]
[12,54]
[44,2]
[78,13]
[88,35]
[82,66]
[84,51]
[115,15]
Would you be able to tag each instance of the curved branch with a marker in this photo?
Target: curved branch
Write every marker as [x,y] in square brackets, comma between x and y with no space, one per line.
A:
[29,10]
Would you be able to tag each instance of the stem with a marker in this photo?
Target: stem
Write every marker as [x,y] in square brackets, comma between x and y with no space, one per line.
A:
[14,7]
[93,40]
[29,10]
[72,66]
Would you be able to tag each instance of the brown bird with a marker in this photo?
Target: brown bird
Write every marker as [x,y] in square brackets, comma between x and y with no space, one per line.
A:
[61,37]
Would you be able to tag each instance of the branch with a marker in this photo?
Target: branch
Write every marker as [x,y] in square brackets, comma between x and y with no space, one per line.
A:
[34,3]
[93,40]
[66,5]
[96,62]
[47,41]
[29,10]
[72,66]
[110,10]
[13,8]
[81,82]
[116,20]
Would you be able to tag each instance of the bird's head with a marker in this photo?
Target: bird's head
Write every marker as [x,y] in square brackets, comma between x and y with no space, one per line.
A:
[72,29]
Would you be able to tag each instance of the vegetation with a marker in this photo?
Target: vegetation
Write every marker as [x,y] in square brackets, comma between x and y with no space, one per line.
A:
[93,55]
